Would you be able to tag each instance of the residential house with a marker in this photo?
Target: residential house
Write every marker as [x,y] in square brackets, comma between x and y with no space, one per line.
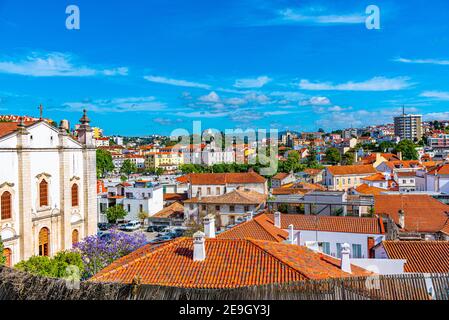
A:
[215,184]
[137,197]
[229,208]
[282,179]
[340,178]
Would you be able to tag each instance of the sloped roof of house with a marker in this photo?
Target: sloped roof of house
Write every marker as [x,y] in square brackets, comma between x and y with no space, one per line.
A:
[9,127]
[403,164]
[175,208]
[175,196]
[313,172]
[280,176]
[366,189]
[331,224]
[351,170]
[238,196]
[221,178]
[421,256]
[228,264]
[422,212]
[260,227]
[375,177]
[441,169]
[373,157]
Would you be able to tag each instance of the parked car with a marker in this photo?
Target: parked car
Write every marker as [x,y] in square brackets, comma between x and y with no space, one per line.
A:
[160,239]
[131,226]
[156,228]
[104,226]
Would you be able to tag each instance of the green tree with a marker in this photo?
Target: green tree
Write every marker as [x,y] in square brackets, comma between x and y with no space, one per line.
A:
[2,257]
[348,158]
[333,156]
[56,267]
[115,213]
[385,146]
[143,216]
[311,161]
[408,149]
[128,167]
[104,163]
[41,266]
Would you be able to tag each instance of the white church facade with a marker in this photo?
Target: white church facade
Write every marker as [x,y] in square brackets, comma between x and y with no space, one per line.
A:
[47,188]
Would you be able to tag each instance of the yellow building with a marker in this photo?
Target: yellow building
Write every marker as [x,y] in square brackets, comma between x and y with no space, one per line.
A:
[98,132]
[168,161]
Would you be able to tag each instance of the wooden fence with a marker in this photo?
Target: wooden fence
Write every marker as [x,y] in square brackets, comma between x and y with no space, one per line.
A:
[15,285]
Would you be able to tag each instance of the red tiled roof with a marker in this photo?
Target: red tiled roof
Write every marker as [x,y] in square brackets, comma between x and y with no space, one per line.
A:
[228,264]
[175,196]
[222,178]
[442,169]
[332,224]
[313,172]
[422,212]
[403,164]
[9,127]
[260,227]
[174,209]
[375,177]
[366,189]
[421,256]
[351,170]
[237,196]
[280,176]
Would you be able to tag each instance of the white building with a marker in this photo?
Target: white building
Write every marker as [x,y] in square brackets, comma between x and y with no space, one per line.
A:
[47,188]
[216,184]
[328,234]
[141,196]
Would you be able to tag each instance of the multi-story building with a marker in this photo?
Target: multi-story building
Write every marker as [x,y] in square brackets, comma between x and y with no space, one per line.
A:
[408,126]
[102,142]
[141,196]
[168,161]
[438,141]
[216,184]
[340,178]
[47,188]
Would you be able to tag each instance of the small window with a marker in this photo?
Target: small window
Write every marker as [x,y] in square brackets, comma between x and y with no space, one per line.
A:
[232,208]
[217,208]
[141,207]
[129,208]
[209,191]
[217,190]
[246,208]
[357,251]
[203,207]
[43,193]
[6,203]
[75,195]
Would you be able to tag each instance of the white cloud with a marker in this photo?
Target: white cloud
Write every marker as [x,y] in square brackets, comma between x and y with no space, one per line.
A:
[167,121]
[436,116]
[176,82]
[423,61]
[316,101]
[54,64]
[118,105]
[439,95]
[202,114]
[297,16]
[212,97]
[374,84]
[252,83]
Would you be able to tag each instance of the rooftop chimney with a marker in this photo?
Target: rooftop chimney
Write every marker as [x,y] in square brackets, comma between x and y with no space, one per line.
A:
[402,219]
[209,226]
[277,219]
[199,247]
[345,260]
[291,234]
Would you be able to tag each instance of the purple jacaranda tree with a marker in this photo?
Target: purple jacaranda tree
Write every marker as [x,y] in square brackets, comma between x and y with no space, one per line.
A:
[97,253]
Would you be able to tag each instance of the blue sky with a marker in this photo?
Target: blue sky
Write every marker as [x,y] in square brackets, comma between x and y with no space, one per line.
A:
[143,67]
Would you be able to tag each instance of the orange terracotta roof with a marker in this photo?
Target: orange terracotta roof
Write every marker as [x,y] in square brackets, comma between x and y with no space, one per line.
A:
[375,177]
[442,169]
[332,224]
[373,157]
[403,164]
[238,196]
[175,208]
[312,172]
[280,176]
[175,196]
[351,170]
[228,264]
[366,189]
[281,191]
[421,256]
[422,212]
[260,227]
[9,127]
[222,178]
